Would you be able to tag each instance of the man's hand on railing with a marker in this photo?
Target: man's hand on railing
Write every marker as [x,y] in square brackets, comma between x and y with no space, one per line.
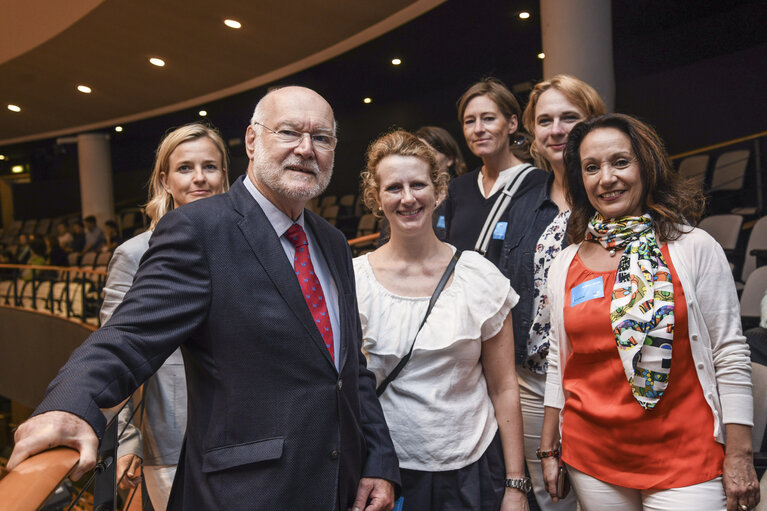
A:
[129,465]
[51,429]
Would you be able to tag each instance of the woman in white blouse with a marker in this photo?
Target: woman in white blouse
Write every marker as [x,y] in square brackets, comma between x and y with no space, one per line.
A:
[453,411]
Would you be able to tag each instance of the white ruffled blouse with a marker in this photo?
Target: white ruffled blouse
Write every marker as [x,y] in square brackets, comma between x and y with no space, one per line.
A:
[438,409]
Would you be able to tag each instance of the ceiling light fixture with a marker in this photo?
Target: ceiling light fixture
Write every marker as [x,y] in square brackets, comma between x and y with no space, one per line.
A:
[119,129]
[232,23]
[367,101]
[524,15]
[203,113]
[396,62]
[541,55]
[157,62]
[14,108]
[17,169]
[84,89]
[2,157]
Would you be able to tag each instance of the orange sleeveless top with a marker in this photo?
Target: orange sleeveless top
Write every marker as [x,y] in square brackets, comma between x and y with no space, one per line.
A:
[605,432]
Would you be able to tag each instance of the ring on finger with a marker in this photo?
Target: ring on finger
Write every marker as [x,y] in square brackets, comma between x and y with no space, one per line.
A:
[744,507]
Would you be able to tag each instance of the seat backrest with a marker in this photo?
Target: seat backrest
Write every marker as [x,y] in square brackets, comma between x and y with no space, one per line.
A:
[29,226]
[73,258]
[330,213]
[347,201]
[694,167]
[43,226]
[89,258]
[757,240]
[367,224]
[328,200]
[103,258]
[751,299]
[725,229]
[730,170]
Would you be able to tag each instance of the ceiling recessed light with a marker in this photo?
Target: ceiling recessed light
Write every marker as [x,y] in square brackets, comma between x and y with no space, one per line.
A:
[367,100]
[396,62]
[2,157]
[118,129]
[14,108]
[17,169]
[157,62]
[84,89]
[541,55]
[203,113]
[524,15]
[232,23]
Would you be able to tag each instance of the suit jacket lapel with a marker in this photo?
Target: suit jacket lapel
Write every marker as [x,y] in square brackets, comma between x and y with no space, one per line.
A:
[331,259]
[267,248]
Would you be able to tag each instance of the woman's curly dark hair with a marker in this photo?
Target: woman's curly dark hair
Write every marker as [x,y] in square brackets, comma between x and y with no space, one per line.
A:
[671,200]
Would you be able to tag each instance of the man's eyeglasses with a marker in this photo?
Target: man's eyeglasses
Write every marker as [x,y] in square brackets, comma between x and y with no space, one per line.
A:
[291,137]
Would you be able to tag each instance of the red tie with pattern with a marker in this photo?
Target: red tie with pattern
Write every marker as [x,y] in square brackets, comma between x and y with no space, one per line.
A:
[310,285]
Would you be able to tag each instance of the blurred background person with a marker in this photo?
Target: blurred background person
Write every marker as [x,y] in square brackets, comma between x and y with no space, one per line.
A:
[191,164]
[649,374]
[112,238]
[453,410]
[56,255]
[64,236]
[94,236]
[536,233]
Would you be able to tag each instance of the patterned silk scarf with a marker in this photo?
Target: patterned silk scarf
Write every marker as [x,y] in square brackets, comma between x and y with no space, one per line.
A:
[642,307]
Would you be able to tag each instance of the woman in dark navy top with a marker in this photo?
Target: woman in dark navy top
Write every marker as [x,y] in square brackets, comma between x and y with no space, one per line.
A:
[489,114]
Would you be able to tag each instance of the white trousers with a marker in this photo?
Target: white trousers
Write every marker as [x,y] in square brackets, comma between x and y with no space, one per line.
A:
[159,479]
[531,389]
[596,495]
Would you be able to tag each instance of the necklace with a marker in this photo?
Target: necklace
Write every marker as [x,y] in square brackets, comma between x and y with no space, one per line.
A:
[612,252]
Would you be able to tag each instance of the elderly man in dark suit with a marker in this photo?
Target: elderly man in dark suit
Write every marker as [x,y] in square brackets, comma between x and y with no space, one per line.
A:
[259,294]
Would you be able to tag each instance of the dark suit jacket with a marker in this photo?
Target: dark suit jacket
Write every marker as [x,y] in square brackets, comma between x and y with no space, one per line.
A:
[272,424]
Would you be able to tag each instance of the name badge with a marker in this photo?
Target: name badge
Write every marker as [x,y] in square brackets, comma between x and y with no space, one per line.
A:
[499,232]
[441,222]
[586,291]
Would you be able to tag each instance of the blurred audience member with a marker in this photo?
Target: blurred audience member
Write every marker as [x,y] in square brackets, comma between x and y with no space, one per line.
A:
[78,237]
[94,236]
[112,238]
[57,256]
[22,249]
[36,257]
[64,236]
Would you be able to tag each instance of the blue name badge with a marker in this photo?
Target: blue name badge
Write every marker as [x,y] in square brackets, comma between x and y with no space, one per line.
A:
[586,291]
[500,230]
[441,222]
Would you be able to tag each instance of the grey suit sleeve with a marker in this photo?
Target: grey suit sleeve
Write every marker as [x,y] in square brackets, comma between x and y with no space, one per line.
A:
[122,269]
[167,303]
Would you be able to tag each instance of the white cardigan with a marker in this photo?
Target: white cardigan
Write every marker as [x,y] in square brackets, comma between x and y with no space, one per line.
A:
[718,347]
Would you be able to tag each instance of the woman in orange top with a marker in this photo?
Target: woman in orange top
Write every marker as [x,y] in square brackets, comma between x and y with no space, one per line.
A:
[647,366]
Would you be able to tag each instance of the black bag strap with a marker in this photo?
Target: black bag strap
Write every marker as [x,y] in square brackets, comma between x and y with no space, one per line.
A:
[437,291]
[499,207]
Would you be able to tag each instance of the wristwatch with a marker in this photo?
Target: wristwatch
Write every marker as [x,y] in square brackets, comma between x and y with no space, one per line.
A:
[519,483]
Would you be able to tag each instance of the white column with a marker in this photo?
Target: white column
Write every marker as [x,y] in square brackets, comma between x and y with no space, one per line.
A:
[95,160]
[577,40]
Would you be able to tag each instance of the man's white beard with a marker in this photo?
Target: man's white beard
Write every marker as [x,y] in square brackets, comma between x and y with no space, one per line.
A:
[272,177]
